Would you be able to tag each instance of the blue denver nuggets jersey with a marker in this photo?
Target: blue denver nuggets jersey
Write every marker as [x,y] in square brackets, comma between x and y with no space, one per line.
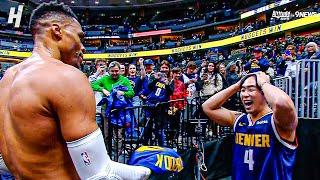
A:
[159,159]
[158,93]
[259,152]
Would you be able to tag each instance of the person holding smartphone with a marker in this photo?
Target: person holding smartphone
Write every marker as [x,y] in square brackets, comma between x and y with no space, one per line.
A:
[101,71]
[257,63]
[290,61]
[101,67]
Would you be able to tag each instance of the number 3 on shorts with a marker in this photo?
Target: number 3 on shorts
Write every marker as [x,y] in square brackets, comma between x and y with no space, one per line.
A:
[248,158]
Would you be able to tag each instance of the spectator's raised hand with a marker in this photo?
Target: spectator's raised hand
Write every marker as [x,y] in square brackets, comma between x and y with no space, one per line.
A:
[100,69]
[157,75]
[105,92]
[141,61]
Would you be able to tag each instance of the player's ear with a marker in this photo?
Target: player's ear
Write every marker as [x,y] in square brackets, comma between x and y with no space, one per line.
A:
[56,31]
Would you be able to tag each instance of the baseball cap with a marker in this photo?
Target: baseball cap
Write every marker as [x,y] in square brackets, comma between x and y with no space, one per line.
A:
[148,62]
[214,59]
[258,49]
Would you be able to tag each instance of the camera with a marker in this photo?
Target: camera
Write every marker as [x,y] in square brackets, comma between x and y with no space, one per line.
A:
[162,75]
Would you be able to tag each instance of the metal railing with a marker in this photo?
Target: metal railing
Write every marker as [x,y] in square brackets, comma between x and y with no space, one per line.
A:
[284,83]
[303,88]
[161,124]
[306,89]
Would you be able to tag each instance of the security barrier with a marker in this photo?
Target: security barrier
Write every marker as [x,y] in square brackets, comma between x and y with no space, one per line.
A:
[160,124]
[284,83]
[303,88]
[306,89]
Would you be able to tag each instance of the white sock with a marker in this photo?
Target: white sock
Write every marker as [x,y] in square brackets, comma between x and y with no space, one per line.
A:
[128,172]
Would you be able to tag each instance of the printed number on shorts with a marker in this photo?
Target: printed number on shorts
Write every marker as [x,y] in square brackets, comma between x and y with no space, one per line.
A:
[158,92]
[248,158]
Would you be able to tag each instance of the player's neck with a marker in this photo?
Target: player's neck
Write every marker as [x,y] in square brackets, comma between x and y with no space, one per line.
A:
[256,116]
[45,47]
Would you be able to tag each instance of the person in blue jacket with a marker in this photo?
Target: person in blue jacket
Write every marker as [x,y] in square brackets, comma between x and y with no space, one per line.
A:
[257,63]
[148,65]
[160,88]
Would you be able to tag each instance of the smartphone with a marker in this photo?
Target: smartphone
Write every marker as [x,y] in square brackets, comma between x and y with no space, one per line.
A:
[287,53]
[163,75]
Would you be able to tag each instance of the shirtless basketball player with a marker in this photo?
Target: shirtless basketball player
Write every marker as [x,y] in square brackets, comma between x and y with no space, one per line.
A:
[47,108]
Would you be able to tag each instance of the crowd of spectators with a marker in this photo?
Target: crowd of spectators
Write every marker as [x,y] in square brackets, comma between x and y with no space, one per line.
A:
[153,83]
[182,78]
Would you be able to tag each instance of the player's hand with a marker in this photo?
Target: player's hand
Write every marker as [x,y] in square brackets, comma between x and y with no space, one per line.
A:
[120,93]
[262,78]
[99,70]
[105,92]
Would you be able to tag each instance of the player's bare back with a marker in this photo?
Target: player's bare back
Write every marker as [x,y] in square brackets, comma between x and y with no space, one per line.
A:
[32,144]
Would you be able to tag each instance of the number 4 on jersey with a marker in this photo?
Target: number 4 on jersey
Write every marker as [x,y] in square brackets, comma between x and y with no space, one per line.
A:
[248,158]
